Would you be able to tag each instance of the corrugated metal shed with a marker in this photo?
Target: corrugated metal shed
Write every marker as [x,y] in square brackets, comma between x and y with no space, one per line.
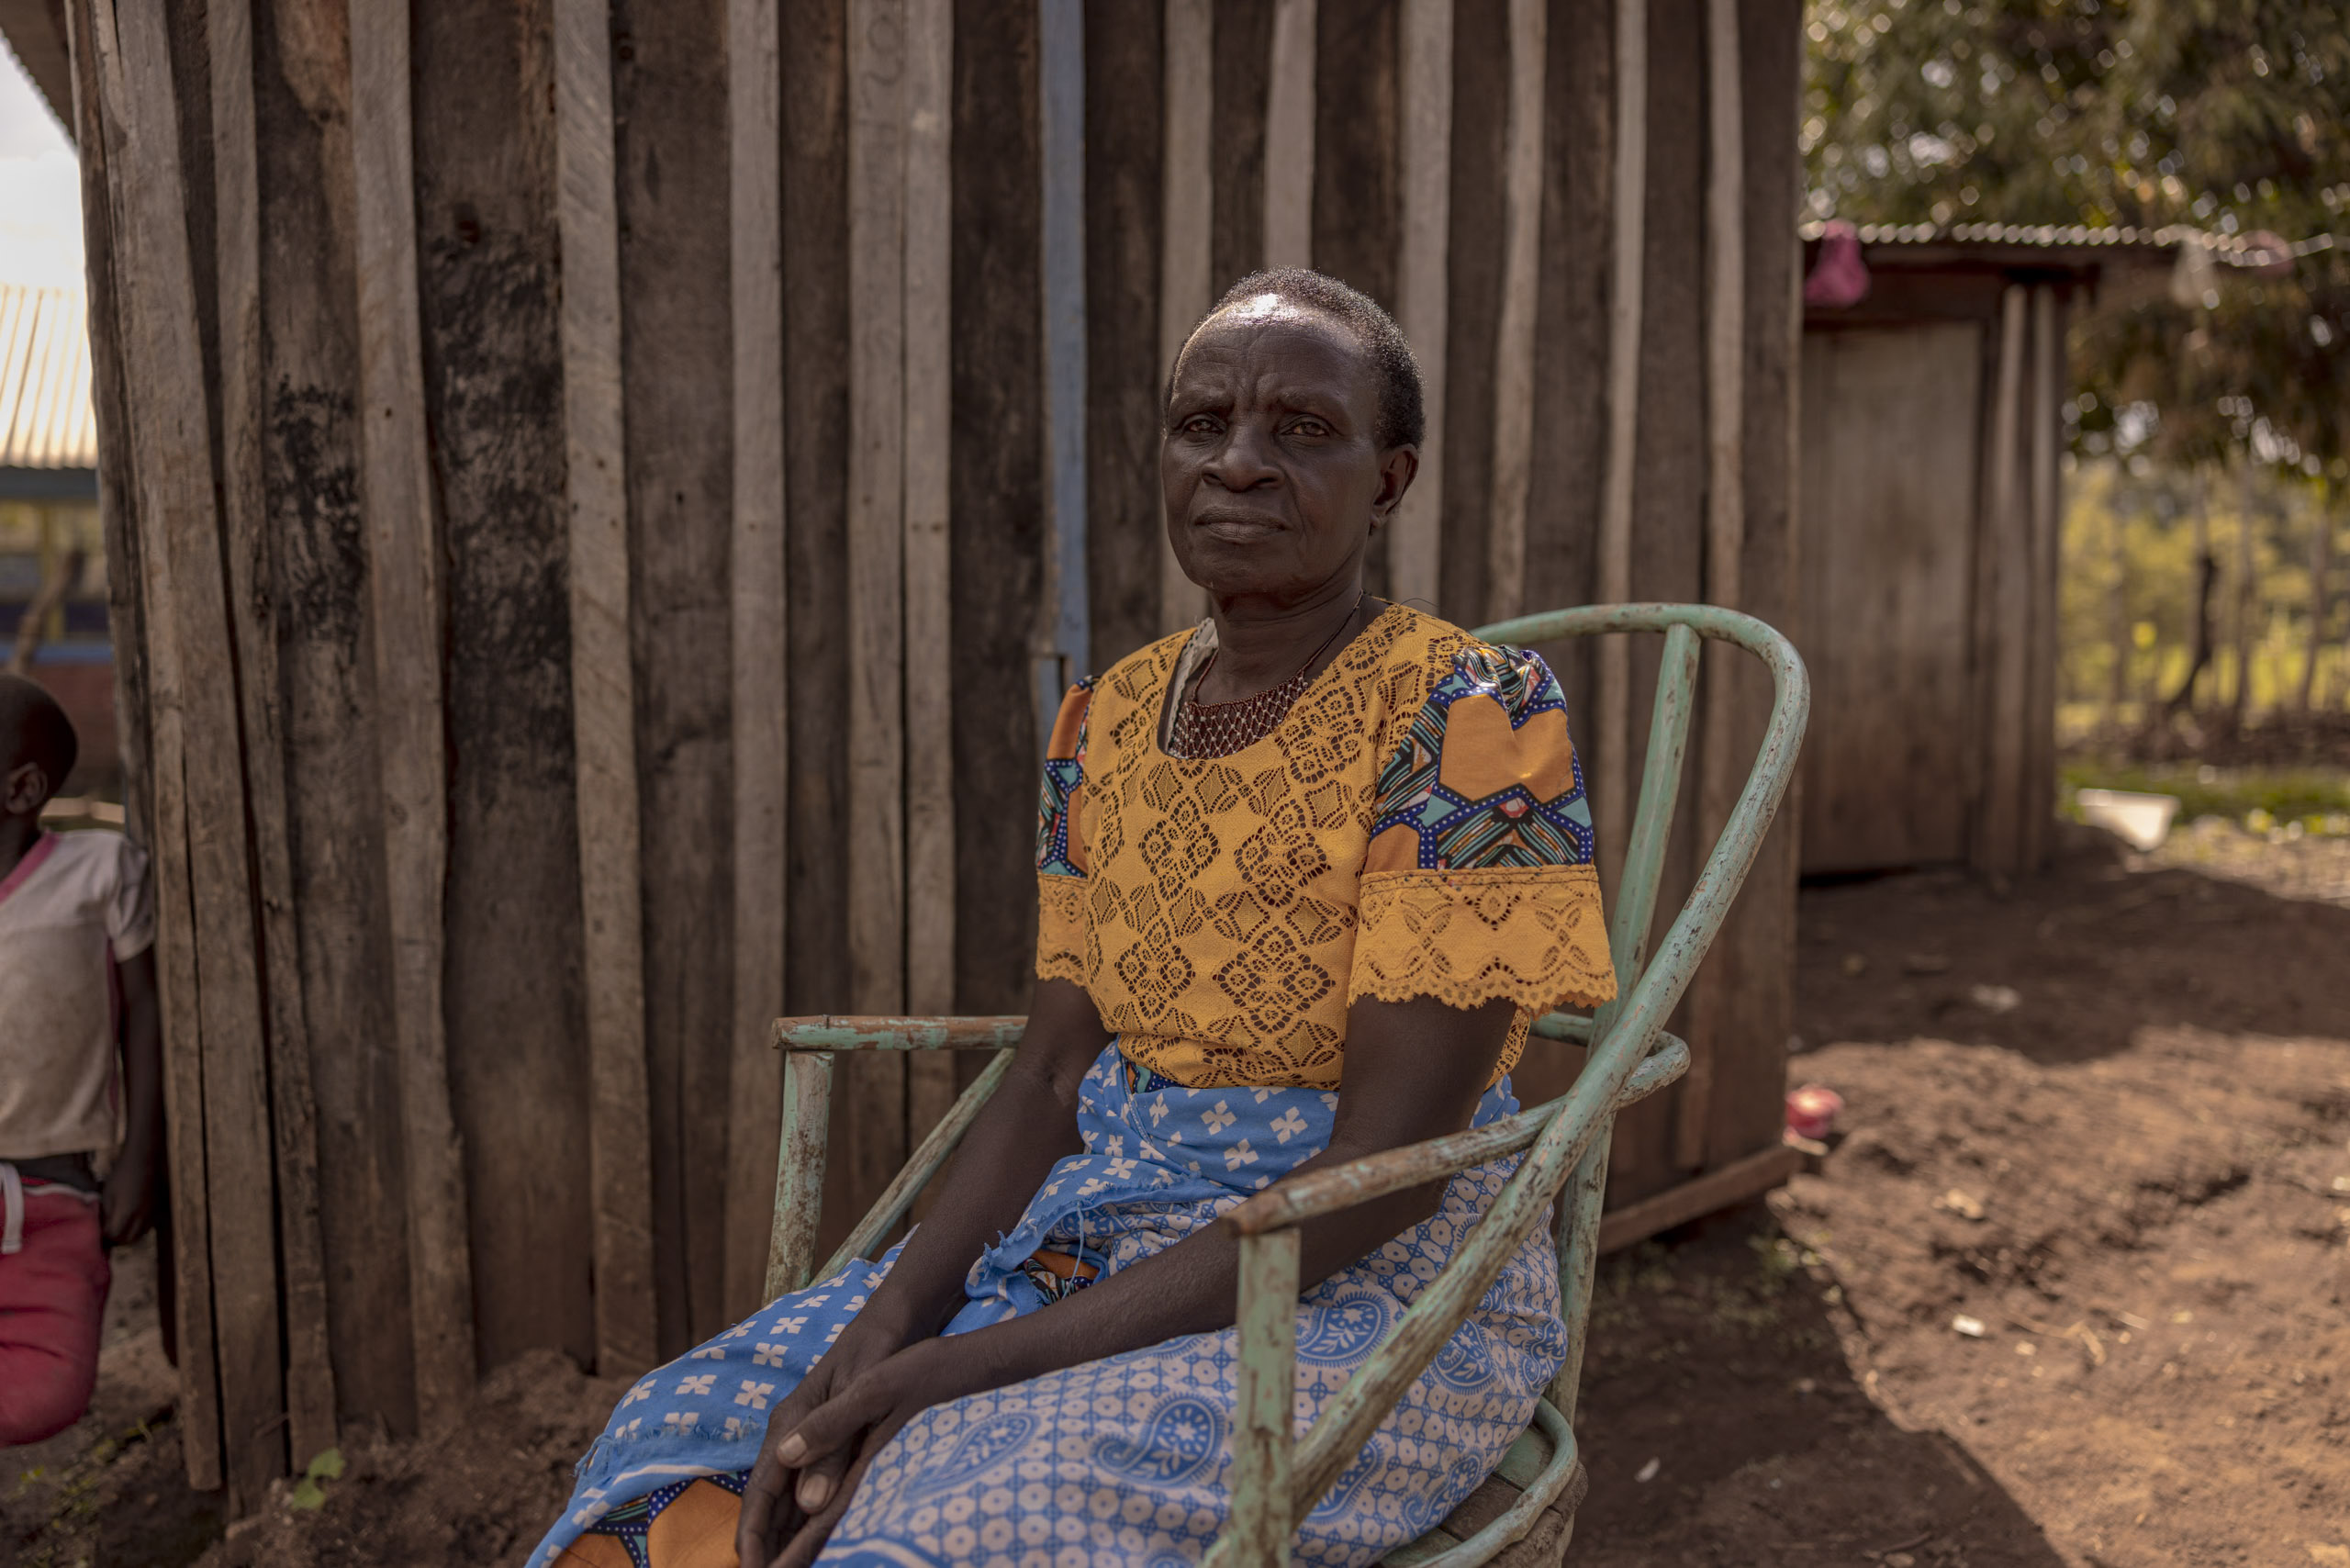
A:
[46,421]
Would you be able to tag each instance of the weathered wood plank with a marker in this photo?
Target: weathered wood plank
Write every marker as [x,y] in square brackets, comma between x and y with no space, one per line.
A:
[603,690]
[758,624]
[876,1142]
[1288,135]
[121,133]
[2036,804]
[1480,137]
[1241,47]
[1002,496]
[1125,79]
[669,76]
[1612,735]
[404,586]
[1187,233]
[336,822]
[2002,600]
[1514,332]
[1063,641]
[1424,283]
[1721,765]
[251,594]
[1753,958]
[1741,1178]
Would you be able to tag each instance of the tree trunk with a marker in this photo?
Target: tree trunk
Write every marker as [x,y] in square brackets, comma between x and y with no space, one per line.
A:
[2321,568]
[2207,572]
[2241,696]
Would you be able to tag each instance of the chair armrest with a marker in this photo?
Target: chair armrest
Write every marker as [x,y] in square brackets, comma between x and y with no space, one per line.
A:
[830,1032]
[1336,1187]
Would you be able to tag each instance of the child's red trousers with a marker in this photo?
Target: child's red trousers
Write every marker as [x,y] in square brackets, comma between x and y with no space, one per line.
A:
[53,1300]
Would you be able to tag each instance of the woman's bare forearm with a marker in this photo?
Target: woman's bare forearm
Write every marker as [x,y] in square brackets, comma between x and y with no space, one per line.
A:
[1026,1126]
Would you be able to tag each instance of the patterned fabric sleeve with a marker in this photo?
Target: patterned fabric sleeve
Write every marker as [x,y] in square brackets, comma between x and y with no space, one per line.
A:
[1480,882]
[1060,844]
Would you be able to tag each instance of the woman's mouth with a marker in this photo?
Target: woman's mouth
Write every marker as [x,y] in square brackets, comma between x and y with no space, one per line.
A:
[1237,528]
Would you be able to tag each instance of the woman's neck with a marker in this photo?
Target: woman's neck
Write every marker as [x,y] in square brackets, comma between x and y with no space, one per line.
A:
[1259,644]
[18,835]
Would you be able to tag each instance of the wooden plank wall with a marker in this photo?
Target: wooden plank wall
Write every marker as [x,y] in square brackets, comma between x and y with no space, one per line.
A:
[1930,582]
[586,471]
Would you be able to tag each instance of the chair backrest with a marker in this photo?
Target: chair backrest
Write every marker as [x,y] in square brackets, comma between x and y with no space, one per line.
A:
[1740,837]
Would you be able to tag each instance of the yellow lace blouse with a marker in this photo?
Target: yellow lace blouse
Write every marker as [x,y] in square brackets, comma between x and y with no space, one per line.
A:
[1416,826]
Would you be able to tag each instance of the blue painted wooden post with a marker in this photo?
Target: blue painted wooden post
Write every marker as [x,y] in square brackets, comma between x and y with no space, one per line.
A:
[1061,100]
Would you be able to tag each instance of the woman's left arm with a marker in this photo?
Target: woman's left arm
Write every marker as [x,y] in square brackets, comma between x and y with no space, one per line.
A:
[1415,1070]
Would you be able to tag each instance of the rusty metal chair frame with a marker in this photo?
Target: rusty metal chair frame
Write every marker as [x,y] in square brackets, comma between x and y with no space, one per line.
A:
[1277,1475]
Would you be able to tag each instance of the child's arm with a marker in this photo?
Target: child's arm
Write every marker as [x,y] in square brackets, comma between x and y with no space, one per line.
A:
[129,1192]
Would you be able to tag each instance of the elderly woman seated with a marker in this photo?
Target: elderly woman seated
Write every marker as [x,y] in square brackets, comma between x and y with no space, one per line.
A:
[1306,874]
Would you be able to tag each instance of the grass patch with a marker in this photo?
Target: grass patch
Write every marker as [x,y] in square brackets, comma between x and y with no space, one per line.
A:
[2260,798]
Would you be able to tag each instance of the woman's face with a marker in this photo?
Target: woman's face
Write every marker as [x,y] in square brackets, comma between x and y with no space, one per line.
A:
[1273,474]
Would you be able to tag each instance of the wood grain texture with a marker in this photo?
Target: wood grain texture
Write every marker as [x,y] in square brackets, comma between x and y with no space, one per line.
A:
[173,409]
[1513,428]
[669,76]
[2003,600]
[2036,779]
[1721,765]
[603,691]
[1480,136]
[1289,135]
[1612,737]
[1126,144]
[490,286]
[875,1089]
[1187,232]
[335,817]
[1241,47]
[1752,961]
[1423,284]
[759,631]
[403,581]
[1001,504]
[129,130]
[252,596]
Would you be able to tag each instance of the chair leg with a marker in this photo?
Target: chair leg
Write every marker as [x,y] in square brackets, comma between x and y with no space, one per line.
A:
[800,1170]
[1578,1264]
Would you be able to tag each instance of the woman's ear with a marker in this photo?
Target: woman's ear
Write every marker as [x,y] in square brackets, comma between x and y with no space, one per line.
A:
[1397,470]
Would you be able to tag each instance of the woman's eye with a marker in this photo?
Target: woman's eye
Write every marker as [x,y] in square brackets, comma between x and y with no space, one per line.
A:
[1198,424]
[1314,427]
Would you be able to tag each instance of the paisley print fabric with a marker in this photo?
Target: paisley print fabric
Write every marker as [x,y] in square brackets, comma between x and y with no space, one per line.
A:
[1121,1462]
[1416,826]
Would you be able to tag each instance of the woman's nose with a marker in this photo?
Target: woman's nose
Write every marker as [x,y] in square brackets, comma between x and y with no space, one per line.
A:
[1244,461]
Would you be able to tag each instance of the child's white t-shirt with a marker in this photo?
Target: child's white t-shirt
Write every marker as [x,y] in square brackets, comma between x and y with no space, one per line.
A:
[74,906]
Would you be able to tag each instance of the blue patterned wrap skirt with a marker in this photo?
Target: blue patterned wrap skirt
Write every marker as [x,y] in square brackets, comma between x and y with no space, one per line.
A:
[1125,1461]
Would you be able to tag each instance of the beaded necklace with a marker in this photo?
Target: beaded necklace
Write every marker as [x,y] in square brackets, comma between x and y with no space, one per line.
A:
[1204,730]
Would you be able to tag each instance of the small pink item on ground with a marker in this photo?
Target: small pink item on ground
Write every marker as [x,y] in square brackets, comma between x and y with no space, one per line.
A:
[1839,276]
[1812,1111]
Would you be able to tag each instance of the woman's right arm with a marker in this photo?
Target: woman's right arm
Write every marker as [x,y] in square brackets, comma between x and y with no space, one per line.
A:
[1026,1126]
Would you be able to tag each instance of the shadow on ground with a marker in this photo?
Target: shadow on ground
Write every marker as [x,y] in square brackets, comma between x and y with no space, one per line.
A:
[1715,1358]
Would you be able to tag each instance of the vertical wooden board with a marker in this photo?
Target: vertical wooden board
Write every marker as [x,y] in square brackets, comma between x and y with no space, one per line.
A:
[1754,956]
[1479,125]
[335,818]
[1187,233]
[1570,365]
[165,77]
[252,599]
[998,473]
[1888,481]
[1628,272]
[491,279]
[2002,580]
[670,133]
[1356,199]
[405,593]
[1124,144]
[758,633]
[2036,804]
[875,1097]
[1668,503]
[1514,347]
[1242,74]
[1423,165]
[1289,165]
[114,149]
[816,440]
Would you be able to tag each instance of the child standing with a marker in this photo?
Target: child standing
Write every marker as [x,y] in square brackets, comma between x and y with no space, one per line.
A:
[80,1072]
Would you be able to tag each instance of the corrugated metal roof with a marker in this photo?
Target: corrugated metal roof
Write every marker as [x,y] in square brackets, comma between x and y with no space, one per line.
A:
[2228,250]
[46,421]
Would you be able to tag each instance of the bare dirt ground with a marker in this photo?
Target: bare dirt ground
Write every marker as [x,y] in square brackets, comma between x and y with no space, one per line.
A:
[2103,1115]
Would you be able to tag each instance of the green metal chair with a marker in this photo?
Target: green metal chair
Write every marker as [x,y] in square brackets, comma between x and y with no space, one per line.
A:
[1277,1475]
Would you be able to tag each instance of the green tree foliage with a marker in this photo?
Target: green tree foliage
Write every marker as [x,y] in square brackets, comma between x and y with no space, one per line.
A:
[2229,116]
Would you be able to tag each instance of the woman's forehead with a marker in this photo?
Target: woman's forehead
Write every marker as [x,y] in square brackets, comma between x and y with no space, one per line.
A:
[1267,336]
